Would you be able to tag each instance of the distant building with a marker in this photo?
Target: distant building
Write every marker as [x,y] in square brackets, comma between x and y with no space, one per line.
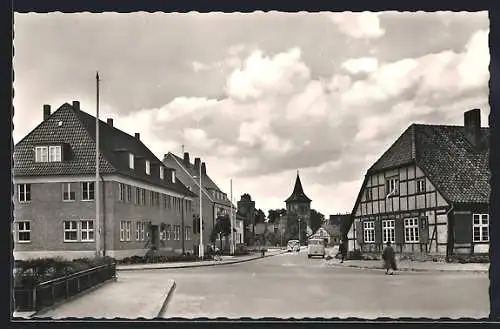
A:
[215,202]
[143,204]
[246,209]
[298,208]
[428,193]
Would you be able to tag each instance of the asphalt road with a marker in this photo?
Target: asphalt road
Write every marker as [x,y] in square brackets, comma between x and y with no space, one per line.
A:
[293,286]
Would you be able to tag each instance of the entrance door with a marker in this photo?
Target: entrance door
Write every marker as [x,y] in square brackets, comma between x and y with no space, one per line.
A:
[155,236]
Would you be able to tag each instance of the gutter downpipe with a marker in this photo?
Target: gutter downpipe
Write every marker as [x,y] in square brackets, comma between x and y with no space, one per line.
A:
[449,245]
[103,218]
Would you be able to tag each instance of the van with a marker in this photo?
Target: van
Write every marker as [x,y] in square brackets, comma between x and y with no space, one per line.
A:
[293,245]
[316,247]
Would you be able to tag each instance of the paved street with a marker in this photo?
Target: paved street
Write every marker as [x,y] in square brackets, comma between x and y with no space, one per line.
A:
[291,285]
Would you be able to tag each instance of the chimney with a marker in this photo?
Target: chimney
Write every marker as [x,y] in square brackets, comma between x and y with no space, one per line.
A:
[197,163]
[186,159]
[76,105]
[138,136]
[46,112]
[110,122]
[472,123]
[203,169]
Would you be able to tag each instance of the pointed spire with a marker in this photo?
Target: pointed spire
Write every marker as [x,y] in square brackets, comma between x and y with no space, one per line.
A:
[298,192]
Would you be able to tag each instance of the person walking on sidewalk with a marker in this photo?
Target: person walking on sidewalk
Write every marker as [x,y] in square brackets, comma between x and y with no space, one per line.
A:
[389,257]
[342,251]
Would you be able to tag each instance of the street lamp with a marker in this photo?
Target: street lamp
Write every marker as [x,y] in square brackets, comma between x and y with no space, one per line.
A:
[201,249]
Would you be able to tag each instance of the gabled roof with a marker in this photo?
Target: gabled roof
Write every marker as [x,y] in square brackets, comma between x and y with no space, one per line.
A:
[459,170]
[206,181]
[78,130]
[298,194]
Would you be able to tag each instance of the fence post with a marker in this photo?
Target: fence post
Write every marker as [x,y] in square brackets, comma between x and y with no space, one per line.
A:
[34,301]
[67,288]
[53,293]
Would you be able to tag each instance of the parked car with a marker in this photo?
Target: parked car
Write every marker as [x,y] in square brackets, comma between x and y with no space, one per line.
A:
[316,247]
[293,245]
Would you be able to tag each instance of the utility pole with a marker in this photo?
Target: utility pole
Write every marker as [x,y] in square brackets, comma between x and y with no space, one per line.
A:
[97,197]
[233,247]
[202,250]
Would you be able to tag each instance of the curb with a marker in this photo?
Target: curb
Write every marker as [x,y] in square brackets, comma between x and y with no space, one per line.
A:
[80,294]
[163,307]
[195,265]
[411,269]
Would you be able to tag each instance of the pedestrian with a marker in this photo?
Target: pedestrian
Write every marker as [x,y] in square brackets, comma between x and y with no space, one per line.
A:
[342,251]
[389,257]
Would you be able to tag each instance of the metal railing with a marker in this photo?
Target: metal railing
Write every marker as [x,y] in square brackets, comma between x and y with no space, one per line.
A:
[50,292]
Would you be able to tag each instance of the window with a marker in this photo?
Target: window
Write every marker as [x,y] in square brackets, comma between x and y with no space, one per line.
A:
[169,232]
[177,232]
[87,191]
[392,186]
[131,161]
[369,231]
[24,192]
[421,185]
[369,194]
[41,154]
[411,229]
[169,202]
[70,230]
[163,235]
[150,198]
[87,230]
[67,194]
[128,188]
[143,196]
[125,230]
[121,192]
[140,229]
[388,230]
[480,228]
[148,167]
[187,230]
[162,172]
[173,176]
[51,153]
[164,200]
[23,231]
[137,195]
[54,153]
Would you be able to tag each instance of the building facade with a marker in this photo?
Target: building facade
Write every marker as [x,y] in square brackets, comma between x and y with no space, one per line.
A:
[428,193]
[215,202]
[298,209]
[143,204]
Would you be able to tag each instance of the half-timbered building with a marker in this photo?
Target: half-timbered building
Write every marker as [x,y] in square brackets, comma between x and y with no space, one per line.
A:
[428,193]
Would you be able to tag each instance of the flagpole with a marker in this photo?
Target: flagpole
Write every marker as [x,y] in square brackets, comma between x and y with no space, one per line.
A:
[97,197]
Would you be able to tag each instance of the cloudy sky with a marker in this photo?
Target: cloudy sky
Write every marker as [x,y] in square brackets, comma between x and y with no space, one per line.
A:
[258,96]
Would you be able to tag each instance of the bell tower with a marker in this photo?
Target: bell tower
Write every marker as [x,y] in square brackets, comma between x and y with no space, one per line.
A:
[298,206]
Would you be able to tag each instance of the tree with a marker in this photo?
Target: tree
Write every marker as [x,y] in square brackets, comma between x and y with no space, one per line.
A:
[317,220]
[221,229]
[260,217]
[274,215]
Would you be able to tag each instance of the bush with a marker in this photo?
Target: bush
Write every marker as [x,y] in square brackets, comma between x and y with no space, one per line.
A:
[355,255]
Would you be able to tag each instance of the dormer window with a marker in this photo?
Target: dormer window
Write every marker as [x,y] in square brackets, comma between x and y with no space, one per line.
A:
[173,176]
[52,153]
[148,167]
[162,172]
[131,161]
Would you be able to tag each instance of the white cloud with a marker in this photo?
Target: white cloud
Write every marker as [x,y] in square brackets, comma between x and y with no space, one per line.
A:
[361,65]
[197,66]
[262,75]
[358,25]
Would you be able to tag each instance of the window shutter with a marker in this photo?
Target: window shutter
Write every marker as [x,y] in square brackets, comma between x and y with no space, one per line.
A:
[378,230]
[423,224]
[399,231]
[66,152]
[359,231]
[463,228]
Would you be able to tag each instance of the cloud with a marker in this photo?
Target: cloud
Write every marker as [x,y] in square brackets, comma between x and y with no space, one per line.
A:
[361,65]
[262,75]
[197,66]
[358,25]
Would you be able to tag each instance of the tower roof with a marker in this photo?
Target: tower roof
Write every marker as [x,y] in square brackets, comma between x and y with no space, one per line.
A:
[298,194]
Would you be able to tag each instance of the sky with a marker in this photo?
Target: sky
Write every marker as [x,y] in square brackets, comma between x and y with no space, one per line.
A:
[259,96]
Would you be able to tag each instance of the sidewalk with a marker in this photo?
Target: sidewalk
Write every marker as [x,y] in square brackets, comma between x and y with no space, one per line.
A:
[126,298]
[174,265]
[406,265]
